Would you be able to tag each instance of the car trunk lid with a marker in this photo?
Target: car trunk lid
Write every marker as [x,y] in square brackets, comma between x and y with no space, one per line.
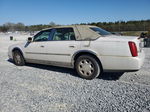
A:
[134,39]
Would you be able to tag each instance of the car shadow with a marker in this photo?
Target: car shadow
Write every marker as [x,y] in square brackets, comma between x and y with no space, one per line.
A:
[51,68]
[54,68]
[111,76]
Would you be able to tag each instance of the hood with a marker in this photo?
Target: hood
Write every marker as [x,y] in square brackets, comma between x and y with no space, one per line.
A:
[18,45]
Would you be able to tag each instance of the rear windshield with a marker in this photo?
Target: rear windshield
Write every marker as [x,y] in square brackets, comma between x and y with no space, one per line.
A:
[100,31]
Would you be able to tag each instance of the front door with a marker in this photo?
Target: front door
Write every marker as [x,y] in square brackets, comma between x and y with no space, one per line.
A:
[36,49]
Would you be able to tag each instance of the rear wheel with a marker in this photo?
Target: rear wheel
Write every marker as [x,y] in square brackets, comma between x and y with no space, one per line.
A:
[18,58]
[87,67]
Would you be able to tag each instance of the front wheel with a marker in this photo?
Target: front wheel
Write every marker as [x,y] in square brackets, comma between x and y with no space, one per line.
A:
[87,67]
[18,58]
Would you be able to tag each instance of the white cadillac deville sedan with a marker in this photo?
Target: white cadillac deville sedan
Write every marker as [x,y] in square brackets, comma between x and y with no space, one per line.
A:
[89,49]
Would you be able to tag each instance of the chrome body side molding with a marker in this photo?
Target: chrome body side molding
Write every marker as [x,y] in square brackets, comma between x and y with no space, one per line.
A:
[53,63]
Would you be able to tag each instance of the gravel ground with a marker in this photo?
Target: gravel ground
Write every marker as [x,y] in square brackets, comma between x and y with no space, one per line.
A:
[39,88]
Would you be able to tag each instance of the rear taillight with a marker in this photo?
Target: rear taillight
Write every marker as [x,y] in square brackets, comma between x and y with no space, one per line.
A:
[133,49]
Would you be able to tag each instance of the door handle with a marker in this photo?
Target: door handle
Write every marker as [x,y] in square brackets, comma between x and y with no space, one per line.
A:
[72,46]
[41,46]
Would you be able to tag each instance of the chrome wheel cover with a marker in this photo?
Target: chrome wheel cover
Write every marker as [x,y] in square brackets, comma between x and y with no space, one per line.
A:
[17,58]
[86,67]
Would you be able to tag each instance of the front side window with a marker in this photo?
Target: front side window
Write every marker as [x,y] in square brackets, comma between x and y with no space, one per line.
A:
[42,36]
[64,34]
[100,31]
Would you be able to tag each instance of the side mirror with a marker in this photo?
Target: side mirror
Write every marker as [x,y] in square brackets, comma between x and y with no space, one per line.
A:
[29,39]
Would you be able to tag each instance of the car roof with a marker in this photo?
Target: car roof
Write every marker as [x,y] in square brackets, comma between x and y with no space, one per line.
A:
[84,31]
[66,26]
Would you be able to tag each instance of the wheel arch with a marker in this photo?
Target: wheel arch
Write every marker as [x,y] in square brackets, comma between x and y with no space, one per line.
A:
[17,48]
[86,52]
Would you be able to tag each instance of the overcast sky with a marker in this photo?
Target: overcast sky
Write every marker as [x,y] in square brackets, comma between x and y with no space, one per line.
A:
[72,11]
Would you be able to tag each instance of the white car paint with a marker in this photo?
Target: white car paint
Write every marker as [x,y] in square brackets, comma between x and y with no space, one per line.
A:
[112,51]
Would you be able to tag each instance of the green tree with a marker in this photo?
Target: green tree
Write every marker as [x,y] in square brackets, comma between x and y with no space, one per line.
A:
[52,23]
[148,34]
[20,27]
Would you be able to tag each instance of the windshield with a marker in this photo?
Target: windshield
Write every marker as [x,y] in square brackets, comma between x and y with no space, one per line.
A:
[100,31]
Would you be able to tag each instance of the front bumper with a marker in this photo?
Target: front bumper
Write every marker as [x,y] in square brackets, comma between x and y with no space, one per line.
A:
[10,55]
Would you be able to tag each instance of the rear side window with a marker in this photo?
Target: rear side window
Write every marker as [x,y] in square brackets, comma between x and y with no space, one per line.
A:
[63,34]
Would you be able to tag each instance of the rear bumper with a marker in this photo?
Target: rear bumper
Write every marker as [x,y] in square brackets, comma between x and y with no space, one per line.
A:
[120,63]
[141,58]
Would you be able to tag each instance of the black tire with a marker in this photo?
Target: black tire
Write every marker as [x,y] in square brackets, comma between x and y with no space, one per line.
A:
[88,67]
[18,58]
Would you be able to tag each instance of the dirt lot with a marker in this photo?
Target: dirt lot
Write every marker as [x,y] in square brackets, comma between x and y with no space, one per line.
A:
[39,88]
